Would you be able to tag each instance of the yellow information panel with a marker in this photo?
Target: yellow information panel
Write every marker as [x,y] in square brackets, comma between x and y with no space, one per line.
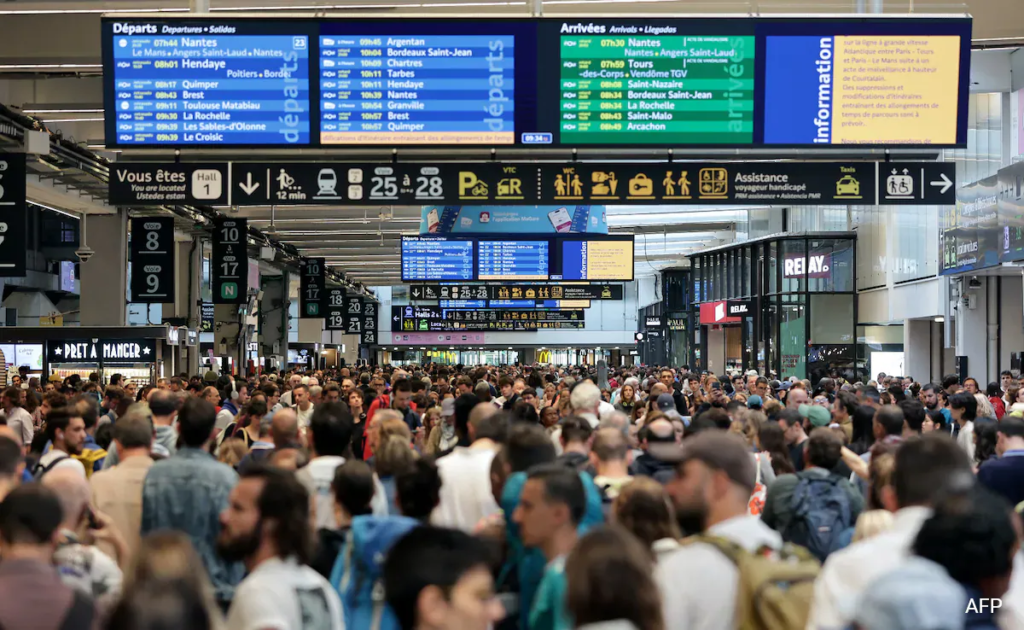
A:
[606,260]
[896,90]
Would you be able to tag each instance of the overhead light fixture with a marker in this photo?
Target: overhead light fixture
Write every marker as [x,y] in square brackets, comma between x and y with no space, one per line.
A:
[50,66]
[62,111]
[940,320]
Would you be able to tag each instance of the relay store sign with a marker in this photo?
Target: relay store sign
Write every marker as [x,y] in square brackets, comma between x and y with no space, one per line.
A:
[815,266]
[101,351]
[725,312]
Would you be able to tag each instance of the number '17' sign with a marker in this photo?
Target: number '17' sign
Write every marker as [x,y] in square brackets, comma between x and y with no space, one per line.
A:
[313,288]
[230,267]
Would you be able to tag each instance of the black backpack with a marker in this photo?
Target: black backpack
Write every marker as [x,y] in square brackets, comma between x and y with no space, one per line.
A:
[39,470]
[821,513]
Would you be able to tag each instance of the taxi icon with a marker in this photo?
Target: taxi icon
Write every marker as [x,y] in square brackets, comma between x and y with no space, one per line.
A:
[847,186]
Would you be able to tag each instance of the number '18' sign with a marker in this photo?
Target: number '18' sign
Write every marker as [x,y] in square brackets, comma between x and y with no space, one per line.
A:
[312,288]
[152,260]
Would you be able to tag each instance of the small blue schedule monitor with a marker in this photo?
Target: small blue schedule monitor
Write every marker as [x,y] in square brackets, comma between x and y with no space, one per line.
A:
[216,83]
[438,259]
[513,260]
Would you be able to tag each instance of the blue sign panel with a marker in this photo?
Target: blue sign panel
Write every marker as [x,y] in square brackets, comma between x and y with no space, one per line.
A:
[512,260]
[207,83]
[513,220]
[417,89]
[436,259]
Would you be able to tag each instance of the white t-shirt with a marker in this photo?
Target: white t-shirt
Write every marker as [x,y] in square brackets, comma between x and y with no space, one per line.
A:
[466,497]
[304,416]
[89,570]
[284,595]
[66,462]
[317,477]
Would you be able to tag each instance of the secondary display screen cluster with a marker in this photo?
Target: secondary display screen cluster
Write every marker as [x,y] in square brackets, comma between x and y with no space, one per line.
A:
[461,259]
[724,81]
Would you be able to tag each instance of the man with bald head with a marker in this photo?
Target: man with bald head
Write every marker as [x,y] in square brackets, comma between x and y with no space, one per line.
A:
[82,566]
[466,496]
[658,434]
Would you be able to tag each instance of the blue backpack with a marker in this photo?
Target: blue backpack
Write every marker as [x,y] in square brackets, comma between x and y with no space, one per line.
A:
[821,513]
[357,575]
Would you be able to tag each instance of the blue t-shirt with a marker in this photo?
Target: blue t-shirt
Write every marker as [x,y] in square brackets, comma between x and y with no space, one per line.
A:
[548,611]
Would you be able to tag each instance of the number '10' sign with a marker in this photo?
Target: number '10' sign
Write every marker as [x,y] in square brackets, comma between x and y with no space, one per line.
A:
[312,288]
[230,268]
[152,260]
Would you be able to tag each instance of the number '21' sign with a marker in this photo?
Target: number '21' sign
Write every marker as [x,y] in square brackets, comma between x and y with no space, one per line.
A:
[312,288]
[152,260]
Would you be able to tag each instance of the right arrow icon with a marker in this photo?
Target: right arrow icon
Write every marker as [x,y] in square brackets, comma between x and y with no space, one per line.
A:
[944,182]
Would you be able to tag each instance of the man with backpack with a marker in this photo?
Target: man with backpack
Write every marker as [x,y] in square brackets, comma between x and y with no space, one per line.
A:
[812,508]
[66,433]
[266,526]
[738,559]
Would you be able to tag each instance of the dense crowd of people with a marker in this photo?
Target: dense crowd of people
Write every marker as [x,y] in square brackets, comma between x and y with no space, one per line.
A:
[532,497]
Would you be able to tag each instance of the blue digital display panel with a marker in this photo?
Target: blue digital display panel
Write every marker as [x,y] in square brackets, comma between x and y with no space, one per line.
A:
[513,260]
[462,303]
[417,89]
[207,84]
[436,259]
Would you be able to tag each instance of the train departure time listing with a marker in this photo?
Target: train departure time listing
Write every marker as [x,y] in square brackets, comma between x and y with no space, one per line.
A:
[524,82]
[209,84]
[420,89]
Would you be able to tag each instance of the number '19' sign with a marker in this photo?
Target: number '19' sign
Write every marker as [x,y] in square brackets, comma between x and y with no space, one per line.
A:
[230,268]
[312,288]
[152,260]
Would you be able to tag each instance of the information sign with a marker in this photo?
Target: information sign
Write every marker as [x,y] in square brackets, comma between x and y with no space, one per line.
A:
[229,267]
[312,289]
[512,260]
[443,259]
[335,319]
[516,291]
[152,260]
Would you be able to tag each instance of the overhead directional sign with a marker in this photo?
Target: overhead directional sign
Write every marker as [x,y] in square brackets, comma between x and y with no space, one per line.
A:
[516,292]
[154,183]
[433,319]
[312,288]
[335,319]
[230,265]
[512,184]
[152,253]
[13,218]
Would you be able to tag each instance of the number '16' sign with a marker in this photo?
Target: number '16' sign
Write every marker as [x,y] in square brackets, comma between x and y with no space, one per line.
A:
[312,288]
[152,260]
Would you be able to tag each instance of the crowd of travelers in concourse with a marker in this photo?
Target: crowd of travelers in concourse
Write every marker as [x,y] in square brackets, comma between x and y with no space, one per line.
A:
[530,497]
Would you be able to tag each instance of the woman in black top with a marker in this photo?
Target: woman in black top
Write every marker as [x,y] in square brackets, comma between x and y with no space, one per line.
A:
[356,405]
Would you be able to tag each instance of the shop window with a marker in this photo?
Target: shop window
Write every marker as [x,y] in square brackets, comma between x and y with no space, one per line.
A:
[773,267]
[793,339]
[832,319]
[795,266]
[827,360]
[829,265]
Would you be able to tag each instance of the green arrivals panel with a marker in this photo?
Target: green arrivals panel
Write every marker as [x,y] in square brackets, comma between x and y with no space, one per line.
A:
[670,89]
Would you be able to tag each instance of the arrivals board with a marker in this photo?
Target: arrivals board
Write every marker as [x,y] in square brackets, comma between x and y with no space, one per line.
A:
[727,81]
[433,319]
[207,83]
[516,292]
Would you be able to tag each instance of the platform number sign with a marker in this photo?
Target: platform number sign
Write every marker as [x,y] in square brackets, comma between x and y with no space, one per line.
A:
[313,288]
[368,338]
[335,319]
[230,269]
[152,263]
[13,215]
[369,315]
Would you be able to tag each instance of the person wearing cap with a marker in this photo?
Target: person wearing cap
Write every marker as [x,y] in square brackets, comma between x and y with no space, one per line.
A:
[655,438]
[755,402]
[714,479]
[466,496]
[442,437]
[822,452]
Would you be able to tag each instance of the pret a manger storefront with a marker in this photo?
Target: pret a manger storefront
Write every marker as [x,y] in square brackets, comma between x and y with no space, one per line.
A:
[784,304]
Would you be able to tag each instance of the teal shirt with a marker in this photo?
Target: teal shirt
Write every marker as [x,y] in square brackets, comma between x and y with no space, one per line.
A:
[548,611]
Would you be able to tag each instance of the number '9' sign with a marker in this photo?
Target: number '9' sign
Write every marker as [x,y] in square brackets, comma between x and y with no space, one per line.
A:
[152,259]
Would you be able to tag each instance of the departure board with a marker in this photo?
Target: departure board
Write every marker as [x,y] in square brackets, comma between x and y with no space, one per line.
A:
[657,89]
[436,259]
[512,260]
[209,84]
[418,89]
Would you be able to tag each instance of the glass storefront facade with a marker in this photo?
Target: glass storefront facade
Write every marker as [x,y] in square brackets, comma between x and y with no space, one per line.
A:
[783,305]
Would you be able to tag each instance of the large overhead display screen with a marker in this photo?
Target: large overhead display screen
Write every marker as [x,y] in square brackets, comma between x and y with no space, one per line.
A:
[535,82]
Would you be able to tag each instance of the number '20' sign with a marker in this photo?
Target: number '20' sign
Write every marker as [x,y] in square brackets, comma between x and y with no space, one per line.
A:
[152,260]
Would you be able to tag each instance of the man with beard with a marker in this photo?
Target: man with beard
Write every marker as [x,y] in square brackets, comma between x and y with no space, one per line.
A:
[266,527]
[714,479]
[66,433]
[932,402]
